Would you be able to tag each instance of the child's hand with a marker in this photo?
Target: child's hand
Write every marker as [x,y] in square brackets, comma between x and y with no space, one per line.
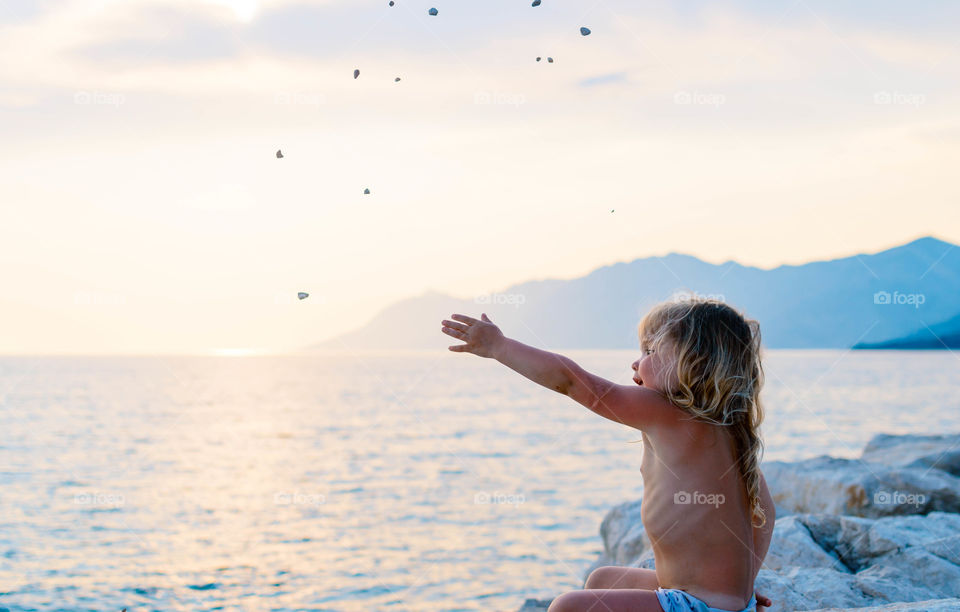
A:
[481,337]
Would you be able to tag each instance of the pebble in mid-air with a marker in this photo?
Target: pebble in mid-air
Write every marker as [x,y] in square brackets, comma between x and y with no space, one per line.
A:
[391,2]
[279,154]
[356,73]
[550,60]
[303,295]
[366,192]
[538,59]
[536,3]
[396,80]
[585,31]
[433,12]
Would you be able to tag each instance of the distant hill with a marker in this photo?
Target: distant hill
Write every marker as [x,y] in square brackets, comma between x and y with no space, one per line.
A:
[866,298]
[942,335]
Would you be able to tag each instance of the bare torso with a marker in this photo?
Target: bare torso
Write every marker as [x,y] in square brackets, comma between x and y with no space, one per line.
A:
[696,513]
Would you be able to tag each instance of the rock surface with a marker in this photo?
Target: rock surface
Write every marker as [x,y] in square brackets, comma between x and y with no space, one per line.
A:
[938,452]
[939,605]
[859,488]
[877,533]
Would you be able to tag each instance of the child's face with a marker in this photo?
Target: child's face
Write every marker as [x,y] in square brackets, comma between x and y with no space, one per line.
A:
[653,369]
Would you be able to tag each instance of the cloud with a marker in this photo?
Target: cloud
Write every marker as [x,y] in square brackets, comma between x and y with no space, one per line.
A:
[174,36]
[15,11]
[184,47]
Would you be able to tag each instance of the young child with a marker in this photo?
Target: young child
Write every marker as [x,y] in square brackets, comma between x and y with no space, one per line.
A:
[706,508]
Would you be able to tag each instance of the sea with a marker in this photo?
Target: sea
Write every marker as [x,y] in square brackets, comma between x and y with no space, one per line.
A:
[361,480]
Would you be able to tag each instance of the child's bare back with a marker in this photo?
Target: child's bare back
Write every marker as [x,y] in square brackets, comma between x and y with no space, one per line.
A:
[696,514]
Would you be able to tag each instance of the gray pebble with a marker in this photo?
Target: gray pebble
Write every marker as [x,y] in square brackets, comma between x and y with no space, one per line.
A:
[585,31]
[356,73]
[279,154]
[433,11]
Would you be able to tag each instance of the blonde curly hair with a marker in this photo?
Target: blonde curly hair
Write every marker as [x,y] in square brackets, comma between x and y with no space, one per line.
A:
[715,352]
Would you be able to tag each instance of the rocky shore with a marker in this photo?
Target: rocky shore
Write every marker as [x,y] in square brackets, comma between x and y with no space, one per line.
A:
[881,532]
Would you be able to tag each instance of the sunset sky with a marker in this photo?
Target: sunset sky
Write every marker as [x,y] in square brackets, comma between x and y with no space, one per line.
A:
[143,209]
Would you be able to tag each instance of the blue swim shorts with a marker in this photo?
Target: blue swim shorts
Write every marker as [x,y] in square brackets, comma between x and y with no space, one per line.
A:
[675,600]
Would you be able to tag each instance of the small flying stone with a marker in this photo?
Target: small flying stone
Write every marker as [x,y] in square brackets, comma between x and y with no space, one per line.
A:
[366,192]
[303,295]
[279,154]
[538,59]
[391,2]
[396,80]
[356,73]
[536,3]
[550,60]
[585,31]
[434,12]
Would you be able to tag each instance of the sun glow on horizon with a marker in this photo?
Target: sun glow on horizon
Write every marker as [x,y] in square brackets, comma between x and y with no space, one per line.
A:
[245,10]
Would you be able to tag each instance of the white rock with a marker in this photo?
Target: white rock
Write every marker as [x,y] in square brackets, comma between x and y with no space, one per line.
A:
[919,569]
[826,587]
[624,538]
[939,605]
[793,546]
[780,591]
[854,487]
[939,452]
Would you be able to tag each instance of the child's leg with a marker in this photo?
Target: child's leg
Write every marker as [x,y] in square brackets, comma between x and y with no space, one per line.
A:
[616,577]
[607,600]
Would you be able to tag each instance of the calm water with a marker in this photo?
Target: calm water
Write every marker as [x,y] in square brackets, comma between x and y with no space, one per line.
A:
[359,481]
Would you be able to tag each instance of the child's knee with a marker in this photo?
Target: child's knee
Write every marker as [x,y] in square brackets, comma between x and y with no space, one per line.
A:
[601,577]
[567,602]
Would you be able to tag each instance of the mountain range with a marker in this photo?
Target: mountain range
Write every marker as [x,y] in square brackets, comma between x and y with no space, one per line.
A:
[866,301]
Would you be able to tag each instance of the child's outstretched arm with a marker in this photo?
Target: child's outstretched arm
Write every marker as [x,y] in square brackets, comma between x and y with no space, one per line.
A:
[627,404]
[485,339]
